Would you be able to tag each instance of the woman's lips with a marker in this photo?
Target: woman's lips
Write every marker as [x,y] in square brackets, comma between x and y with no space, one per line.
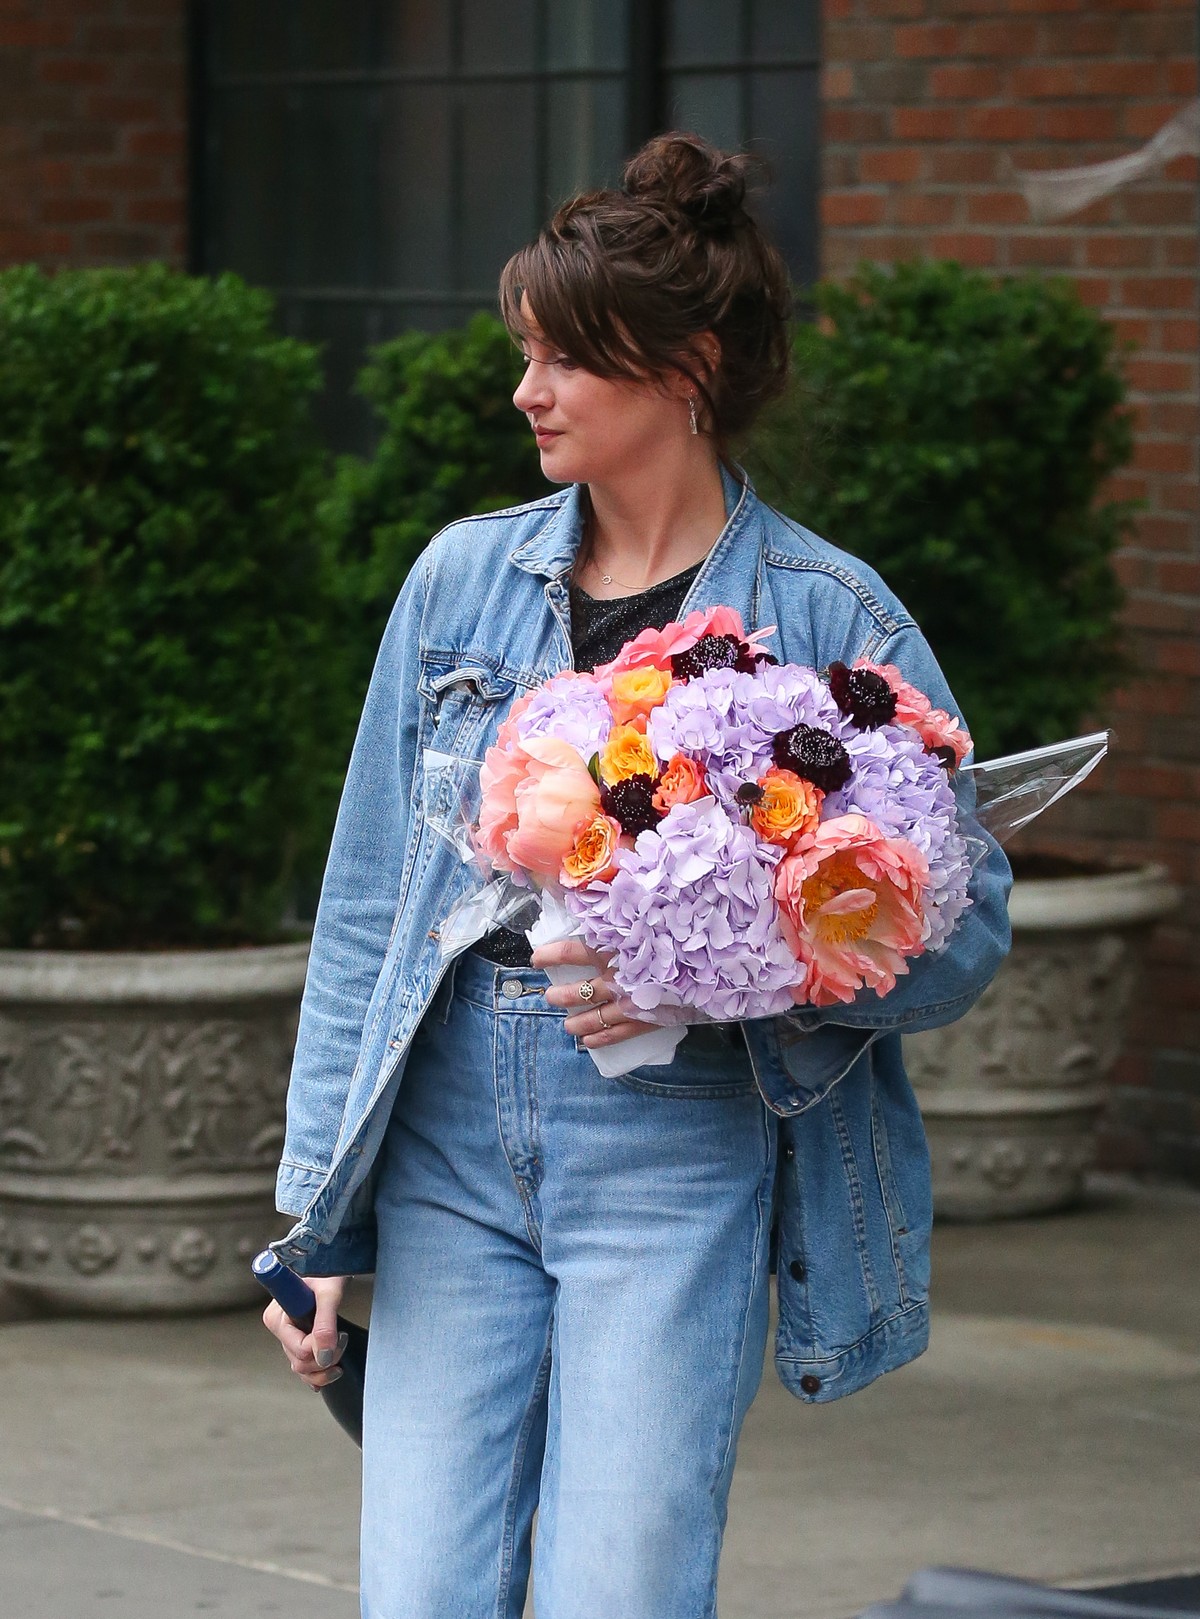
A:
[544,434]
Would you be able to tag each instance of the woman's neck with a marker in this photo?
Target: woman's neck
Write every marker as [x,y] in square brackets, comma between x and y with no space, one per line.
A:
[648,528]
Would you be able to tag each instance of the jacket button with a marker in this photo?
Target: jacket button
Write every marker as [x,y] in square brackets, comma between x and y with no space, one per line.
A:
[810,1384]
[789,1151]
[798,1271]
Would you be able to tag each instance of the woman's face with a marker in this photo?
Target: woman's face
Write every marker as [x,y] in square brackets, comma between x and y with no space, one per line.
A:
[594,429]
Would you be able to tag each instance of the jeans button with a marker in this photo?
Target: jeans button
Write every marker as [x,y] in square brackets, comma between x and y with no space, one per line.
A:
[513,988]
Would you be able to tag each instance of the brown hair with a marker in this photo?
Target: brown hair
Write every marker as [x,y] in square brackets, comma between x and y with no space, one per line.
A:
[622,282]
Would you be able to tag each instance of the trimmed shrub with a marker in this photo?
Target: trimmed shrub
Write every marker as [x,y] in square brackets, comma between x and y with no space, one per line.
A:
[955,432]
[160,611]
[451,445]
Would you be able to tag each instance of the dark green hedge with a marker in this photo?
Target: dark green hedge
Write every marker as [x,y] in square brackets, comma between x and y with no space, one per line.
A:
[161,608]
[954,432]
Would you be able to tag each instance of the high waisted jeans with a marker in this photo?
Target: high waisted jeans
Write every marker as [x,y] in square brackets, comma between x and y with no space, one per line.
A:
[570,1313]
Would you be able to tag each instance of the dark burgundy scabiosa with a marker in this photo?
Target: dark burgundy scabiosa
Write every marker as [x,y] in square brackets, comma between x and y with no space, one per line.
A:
[630,802]
[814,755]
[709,652]
[946,757]
[862,696]
[749,793]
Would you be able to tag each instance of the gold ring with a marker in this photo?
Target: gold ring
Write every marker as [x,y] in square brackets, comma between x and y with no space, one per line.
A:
[586,990]
[603,1019]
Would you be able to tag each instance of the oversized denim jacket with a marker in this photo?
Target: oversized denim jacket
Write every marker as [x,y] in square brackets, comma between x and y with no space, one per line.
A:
[483,616]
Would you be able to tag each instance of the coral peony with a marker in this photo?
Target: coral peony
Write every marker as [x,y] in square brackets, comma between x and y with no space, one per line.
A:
[636,691]
[657,647]
[790,807]
[626,753]
[556,795]
[851,906]
[593,857]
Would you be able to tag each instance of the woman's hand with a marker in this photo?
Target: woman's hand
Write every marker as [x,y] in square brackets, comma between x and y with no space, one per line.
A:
[585,1022]
[313,1355]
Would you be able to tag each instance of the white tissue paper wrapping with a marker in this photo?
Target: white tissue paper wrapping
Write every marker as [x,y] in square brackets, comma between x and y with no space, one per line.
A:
[647,1050]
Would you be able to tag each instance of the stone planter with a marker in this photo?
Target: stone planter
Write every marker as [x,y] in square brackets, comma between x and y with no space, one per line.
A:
[1011,1093]
[141,1117]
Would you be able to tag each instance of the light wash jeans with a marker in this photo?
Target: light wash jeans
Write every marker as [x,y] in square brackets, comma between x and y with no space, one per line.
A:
[570,1313]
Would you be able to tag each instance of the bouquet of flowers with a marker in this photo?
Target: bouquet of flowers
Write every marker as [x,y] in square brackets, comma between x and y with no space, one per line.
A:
[739,836]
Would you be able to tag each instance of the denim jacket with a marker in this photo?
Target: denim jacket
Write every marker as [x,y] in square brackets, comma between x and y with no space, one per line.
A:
[483,616]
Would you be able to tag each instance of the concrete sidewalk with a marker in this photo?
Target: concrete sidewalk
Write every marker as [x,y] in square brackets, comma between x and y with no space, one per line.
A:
[1052,1431]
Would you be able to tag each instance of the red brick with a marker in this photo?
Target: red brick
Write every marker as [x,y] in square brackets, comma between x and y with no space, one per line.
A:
[837,82]
[1179,78]
[926,123]
[19,33]
[957,165]
[1059,251]
[161,142]
[1179,578]
[154,210]
[1163,455]
[1151,205]
[1181,334]
[1014,123]
[1178,821]
[851,208]
[79,138]
[1119,252]
[1079,122]
[924,208]
[1179,656]
[1159,292]
[970,248]
[74,70]
[1142,120]
[961,82]
[897,163]
[121,109]
[1170,416]
[1080,36]
[1120,78]
[1163,533]
[1179,251]
[997,208]
[1046,79]
[928,39]
[76,210]
[999,39]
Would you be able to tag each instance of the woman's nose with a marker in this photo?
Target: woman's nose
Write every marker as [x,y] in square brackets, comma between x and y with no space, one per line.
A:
[532,391]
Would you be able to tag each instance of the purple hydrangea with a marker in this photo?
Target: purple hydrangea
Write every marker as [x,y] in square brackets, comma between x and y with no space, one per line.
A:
[571,710]
[729,721]
[691,920]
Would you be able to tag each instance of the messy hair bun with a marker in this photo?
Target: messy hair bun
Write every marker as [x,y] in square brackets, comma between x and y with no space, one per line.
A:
[624,281]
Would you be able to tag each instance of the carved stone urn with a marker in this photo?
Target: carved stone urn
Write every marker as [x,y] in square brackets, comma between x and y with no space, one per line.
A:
[1011,1093]
[141,1117]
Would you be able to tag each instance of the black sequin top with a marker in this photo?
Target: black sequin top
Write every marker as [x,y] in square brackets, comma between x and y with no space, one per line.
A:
[599,629]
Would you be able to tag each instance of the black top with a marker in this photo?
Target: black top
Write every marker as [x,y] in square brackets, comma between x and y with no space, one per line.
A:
[599,629]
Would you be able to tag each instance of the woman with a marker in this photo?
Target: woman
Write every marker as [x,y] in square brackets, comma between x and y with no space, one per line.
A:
[571,1294]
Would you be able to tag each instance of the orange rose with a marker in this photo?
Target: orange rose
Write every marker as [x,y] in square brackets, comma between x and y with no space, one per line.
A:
[683,782]
[626,753]
[593,858]
[790,807]
[636,691]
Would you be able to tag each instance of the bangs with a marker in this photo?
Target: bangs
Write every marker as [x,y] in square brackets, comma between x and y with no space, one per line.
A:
[573,306]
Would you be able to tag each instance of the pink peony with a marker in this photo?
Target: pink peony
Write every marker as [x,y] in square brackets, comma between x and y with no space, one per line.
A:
[655,648]
[556,794]
[934,726]
[851,906]
[502,771]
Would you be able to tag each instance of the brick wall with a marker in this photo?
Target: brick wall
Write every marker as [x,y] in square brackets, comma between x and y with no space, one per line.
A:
[930,108]
[92,131]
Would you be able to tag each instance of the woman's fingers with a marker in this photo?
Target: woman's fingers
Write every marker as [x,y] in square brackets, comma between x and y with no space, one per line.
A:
[306,1351]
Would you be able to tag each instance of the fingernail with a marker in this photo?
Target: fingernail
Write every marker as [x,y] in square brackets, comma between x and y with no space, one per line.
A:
[325,1357]
[343,1340]
[334,1375]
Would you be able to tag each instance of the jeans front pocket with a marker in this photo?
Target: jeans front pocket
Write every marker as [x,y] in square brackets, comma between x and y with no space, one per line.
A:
[710,1061]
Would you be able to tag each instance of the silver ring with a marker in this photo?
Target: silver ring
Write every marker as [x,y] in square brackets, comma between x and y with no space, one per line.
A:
[603,1019]
[586,990]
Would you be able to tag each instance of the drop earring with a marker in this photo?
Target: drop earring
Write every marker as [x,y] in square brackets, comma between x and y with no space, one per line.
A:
[692,413]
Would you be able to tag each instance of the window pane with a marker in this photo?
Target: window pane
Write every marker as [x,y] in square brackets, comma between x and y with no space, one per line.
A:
[784,30]
[325,35]
[500,201]
[247,38]
[415,34]
[415,196]
[587,33]
[498,35]
[708,104]
[248,166]
[587,136]
[334,164]
[703,31]
[785,119]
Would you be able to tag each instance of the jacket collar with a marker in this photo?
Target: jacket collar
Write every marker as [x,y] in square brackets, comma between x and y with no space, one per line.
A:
[550,551]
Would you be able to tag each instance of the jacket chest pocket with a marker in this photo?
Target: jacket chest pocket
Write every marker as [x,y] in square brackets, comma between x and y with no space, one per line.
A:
[461,702]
